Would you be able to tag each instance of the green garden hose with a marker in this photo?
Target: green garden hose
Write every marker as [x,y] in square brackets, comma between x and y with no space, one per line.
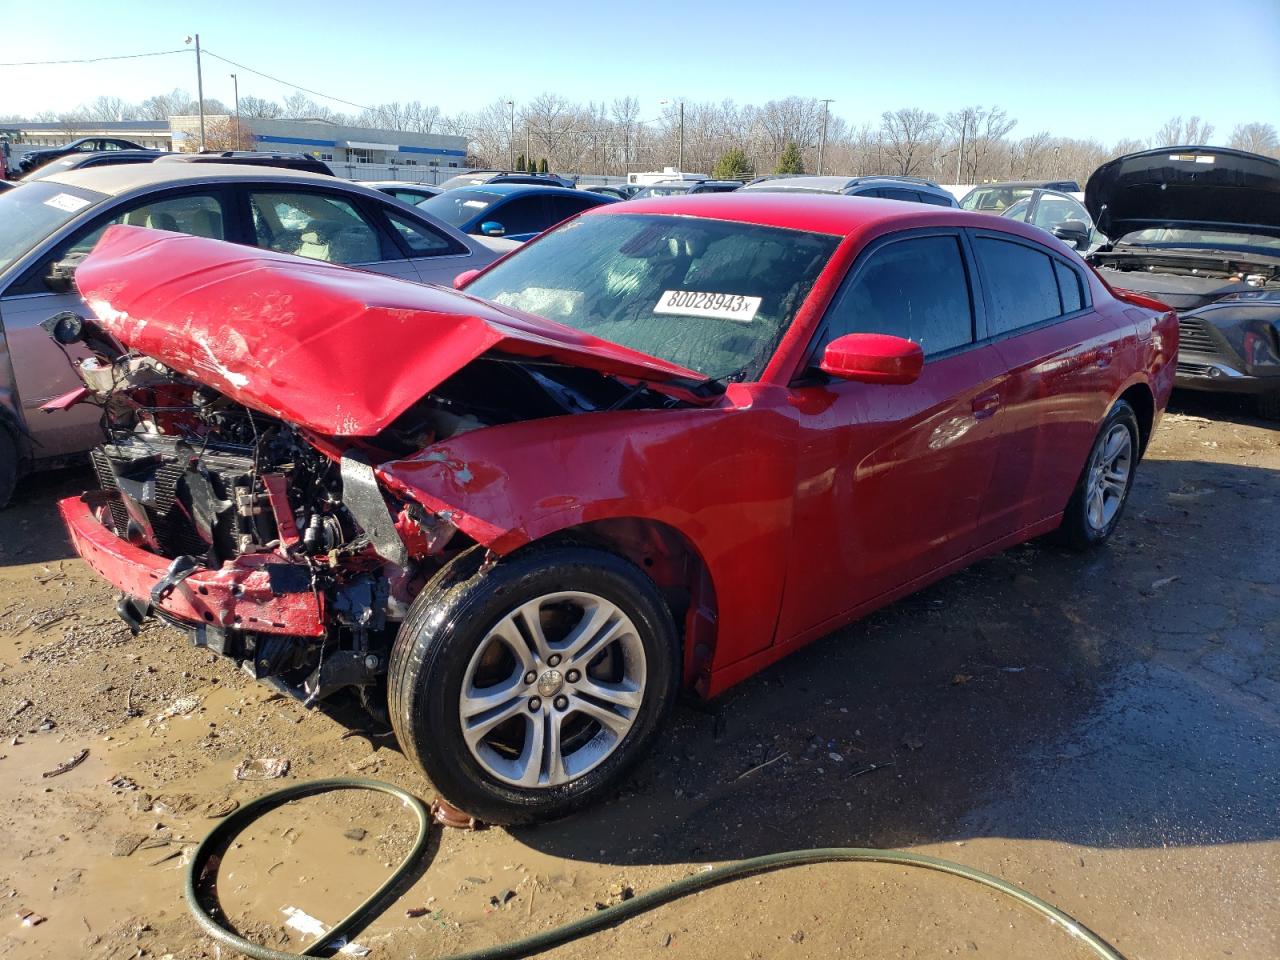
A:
[221,835]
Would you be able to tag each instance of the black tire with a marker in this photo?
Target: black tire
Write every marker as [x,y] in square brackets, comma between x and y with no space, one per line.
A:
[445,627]
[1077,531]
[1268,405]
[8,466]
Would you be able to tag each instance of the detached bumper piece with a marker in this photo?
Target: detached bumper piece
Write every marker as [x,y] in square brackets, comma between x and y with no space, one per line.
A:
[254,594]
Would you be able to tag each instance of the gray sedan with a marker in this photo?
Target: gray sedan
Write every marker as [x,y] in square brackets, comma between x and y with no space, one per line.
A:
[47,225]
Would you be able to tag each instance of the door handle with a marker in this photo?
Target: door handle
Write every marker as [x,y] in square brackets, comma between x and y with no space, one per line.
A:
[985,404]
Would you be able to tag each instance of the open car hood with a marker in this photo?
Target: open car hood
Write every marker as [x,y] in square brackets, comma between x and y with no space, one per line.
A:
[1199,188]
[336,350]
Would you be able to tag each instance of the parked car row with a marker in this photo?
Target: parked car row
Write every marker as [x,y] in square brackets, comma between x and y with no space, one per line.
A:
[523,515]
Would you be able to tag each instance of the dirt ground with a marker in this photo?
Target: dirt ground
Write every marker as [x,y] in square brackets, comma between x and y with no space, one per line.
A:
[1103,730]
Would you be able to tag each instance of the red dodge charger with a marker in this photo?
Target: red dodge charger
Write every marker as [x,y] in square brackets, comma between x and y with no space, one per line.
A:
[659,447]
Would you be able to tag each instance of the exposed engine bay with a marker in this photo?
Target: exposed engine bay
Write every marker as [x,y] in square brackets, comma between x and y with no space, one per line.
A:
[210,484]
[1184,280]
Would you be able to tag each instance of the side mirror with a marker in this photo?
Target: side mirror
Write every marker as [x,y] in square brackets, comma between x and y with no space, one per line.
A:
[492,228]
[465,277]
[62,274]
[1073,232]
[873,358]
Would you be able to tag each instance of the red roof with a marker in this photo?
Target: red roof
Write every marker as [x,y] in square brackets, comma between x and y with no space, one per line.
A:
[818,213]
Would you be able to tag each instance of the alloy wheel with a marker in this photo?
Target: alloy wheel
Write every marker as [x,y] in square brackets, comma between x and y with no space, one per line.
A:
[552,689]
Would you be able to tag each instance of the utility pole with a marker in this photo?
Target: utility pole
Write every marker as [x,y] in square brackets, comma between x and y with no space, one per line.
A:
[511,139]
[680,148]
[822,139]
[680,155]
[964,128]
[235,83]
[199,88]
[528,145]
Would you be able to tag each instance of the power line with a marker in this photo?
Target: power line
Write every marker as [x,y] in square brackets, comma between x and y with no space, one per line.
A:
[315,93]
[123,56]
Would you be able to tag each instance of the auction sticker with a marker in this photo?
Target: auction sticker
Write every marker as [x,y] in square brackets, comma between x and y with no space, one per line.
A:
[714,306]
[66,201]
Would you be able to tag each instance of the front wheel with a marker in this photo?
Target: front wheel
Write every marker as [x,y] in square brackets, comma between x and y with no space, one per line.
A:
[1103,488]
[525,691]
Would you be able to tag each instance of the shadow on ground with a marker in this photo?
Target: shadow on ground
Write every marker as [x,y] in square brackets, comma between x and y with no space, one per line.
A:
[31,529]
[1129,697]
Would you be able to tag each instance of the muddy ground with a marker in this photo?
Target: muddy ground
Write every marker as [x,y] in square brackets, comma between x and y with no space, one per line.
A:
[1103,730]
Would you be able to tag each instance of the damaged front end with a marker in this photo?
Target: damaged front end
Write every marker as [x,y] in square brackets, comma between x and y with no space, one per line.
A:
[246,416]
[282,554]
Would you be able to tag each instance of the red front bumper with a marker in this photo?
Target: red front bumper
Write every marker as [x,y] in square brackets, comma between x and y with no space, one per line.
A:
[258,593]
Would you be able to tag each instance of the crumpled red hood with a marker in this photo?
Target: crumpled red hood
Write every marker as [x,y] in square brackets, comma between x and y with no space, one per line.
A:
[339,351]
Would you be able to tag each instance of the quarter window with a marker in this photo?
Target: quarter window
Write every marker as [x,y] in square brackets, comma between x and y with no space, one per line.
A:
[421,242]
[1068,287]
[915,288]
[1021,283]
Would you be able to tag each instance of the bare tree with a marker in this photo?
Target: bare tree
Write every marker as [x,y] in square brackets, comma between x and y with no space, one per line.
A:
[977,140]
[625,113]
[910,138]
[1175,133]
[109,109]
[299,106]
[256,107]
[1256,138]
[162,106]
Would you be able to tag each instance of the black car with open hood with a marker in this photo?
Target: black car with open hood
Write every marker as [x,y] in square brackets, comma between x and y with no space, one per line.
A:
[1199,228]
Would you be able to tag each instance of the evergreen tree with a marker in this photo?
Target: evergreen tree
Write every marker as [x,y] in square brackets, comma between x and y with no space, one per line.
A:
[734,165]
[520,163]
[543,167]
[791,160]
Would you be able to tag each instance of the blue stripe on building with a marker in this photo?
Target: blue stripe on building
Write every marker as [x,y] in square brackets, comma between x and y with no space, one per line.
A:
[300,141]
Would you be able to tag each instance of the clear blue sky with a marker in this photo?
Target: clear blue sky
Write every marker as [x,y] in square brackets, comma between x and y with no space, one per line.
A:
[1102,69]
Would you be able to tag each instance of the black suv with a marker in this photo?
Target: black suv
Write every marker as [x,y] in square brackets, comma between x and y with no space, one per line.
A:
[286,161]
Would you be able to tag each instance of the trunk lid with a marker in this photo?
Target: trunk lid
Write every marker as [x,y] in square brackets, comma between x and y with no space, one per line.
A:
[336,350]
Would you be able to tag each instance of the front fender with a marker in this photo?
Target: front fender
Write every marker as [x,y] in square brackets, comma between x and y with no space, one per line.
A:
[723,477]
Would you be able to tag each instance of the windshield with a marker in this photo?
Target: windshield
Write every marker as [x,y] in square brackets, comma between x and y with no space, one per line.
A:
[993,199]
[709,295]
[456,207]
[32,211]
[1216,239]
[468,179]
[60,165]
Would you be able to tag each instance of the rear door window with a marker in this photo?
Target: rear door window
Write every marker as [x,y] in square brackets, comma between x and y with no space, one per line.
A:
[562,208]
[1021,284]
[521,215]
[313,225]
[916,288]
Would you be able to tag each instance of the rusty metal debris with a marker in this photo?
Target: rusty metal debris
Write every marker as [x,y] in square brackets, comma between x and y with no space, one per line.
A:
[216,809]
[66,765]
[262,768]
[447,815]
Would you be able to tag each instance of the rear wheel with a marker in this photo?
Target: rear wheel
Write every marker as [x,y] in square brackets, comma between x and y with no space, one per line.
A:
[1102,491]
[526,691]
